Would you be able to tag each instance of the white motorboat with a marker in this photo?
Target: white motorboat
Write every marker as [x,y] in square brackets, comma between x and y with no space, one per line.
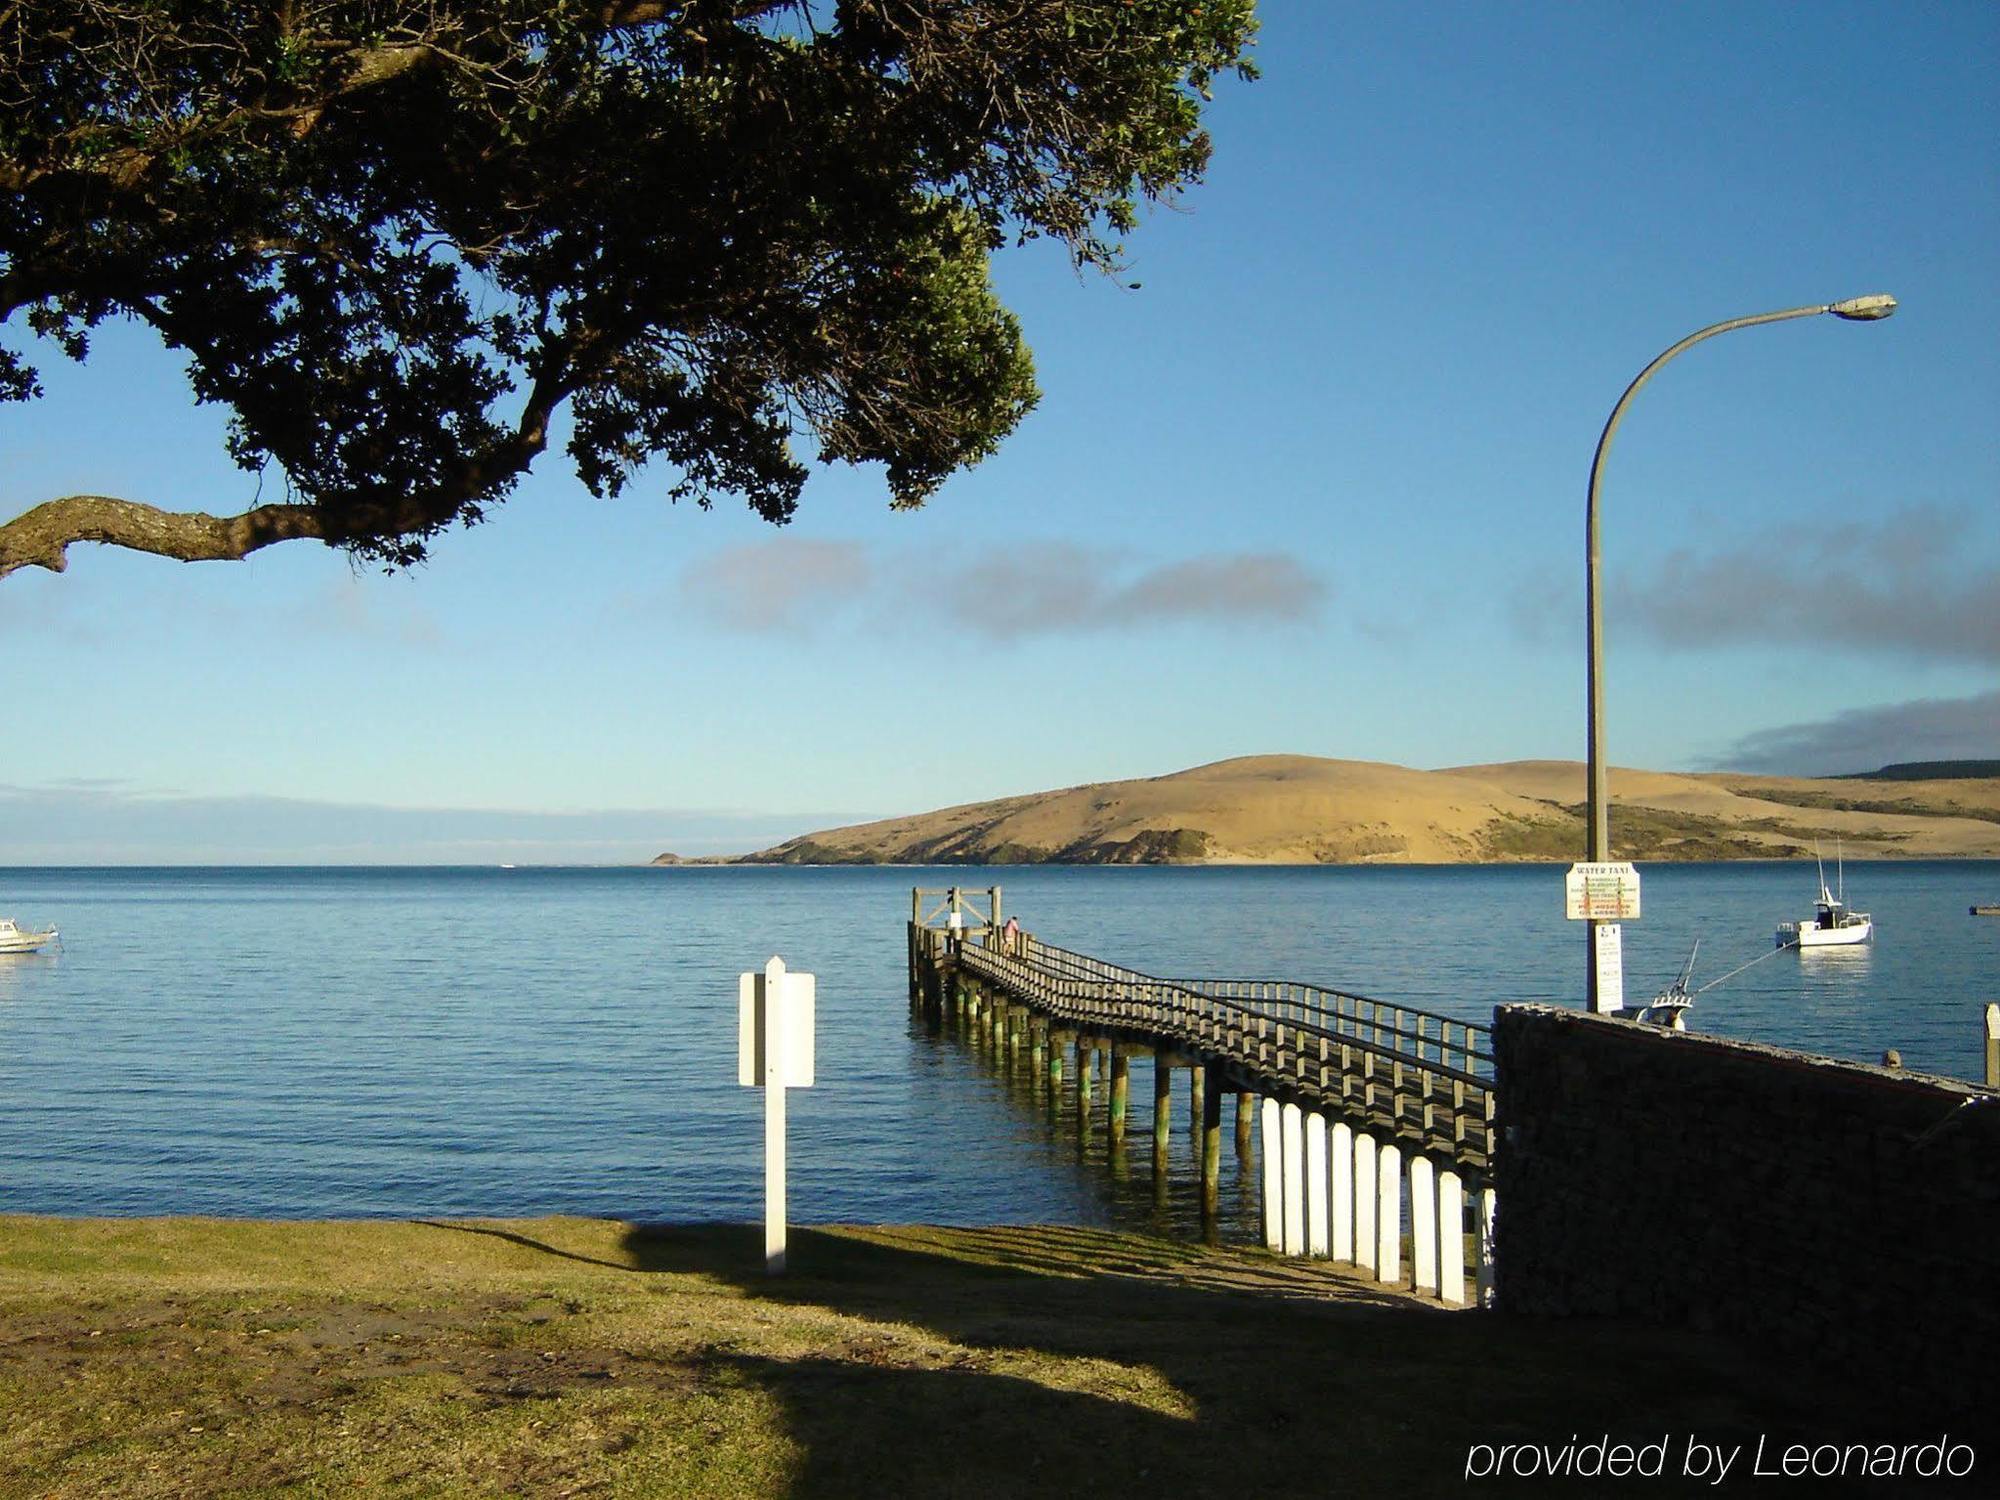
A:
[1671,1005]
[1832,925]
[18,939]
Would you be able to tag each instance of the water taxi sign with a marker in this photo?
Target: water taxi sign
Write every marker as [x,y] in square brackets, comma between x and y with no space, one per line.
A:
[1603,893]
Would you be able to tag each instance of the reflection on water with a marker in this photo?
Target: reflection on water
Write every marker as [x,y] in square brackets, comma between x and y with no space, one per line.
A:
[1160,1194]
[1837,987]
[17,970]
[1835,962]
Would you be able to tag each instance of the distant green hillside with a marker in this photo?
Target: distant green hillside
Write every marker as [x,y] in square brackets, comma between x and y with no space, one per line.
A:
[1928,770]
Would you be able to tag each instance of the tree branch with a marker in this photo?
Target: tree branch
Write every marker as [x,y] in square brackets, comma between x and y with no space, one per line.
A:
[40,538]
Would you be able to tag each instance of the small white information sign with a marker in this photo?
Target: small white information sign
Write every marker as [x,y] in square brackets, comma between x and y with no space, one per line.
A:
[792,1015]
[774,1042]
[1602,893]
[1610,966]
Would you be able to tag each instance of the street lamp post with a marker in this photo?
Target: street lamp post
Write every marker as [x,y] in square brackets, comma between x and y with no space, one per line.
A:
[1854,309]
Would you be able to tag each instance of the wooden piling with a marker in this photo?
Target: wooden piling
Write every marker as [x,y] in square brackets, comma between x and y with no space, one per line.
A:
[1423,1224]
[1993,1046]
[1365,1201]
[1197,1081]
[1211,1153]
[1317,1235]
[1451,1238]
[1273,1197]
[1246,1108]
[1340,1191]
[1389,1214]
[1121,1084]
[1292,1140]
[1083,1066]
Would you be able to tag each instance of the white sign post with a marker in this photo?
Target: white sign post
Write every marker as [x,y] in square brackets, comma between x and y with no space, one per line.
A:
[774,1051]
[1604,894]
[1610,939]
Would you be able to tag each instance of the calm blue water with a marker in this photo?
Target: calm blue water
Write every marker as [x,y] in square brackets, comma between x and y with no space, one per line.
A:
[482,1041]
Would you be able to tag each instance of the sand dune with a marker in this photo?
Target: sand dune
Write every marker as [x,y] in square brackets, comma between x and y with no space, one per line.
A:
[1299,809]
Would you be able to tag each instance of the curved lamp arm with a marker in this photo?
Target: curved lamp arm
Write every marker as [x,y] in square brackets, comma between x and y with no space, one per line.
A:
[1855,309]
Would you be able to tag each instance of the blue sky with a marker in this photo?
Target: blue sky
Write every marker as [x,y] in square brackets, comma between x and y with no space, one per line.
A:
[1317,486]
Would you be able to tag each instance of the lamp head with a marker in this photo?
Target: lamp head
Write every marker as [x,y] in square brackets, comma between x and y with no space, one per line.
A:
[1864,309]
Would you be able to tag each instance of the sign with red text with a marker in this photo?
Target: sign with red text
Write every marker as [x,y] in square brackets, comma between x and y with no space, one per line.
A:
[1602,893]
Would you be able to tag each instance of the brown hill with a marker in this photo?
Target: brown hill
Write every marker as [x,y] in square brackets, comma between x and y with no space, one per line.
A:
[1298,809]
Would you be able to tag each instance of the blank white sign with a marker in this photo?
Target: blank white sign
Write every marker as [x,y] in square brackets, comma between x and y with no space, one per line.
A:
[793,1013]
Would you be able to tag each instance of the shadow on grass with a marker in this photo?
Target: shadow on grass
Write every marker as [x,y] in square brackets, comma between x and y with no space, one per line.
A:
[493,1231]
[1063,1360]
[869,1431]
[1274,1380]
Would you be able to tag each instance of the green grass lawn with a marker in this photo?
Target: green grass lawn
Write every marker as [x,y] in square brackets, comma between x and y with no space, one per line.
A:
[560,1357]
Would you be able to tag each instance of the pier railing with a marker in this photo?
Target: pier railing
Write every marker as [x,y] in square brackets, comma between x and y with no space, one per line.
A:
[1419,1035]
[954,908]
[1403,1073]
[1422,1078]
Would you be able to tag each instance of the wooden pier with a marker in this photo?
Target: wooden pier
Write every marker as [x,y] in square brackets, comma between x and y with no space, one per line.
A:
[1367,1117]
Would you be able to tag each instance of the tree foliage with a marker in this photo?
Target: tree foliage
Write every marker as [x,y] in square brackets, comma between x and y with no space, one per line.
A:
[394,238]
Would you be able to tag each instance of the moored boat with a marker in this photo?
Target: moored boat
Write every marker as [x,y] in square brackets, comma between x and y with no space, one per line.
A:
[1833,924]
[17,939]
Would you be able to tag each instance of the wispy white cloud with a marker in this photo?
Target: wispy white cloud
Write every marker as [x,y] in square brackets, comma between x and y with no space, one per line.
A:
[777,586]
[1028,589]
[1866,739]
[1901,584]
[1054,588]
[1031,588]
[1897,584]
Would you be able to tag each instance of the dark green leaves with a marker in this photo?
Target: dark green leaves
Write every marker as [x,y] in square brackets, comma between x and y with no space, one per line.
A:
[396,238]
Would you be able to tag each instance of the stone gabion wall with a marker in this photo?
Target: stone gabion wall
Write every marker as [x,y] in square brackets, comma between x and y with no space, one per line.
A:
[1847,1211]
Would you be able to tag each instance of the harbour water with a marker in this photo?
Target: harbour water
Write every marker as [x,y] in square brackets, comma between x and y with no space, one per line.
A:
[333,1042]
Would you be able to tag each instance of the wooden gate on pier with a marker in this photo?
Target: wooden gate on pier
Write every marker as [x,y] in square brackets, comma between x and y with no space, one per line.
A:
[1364,1113]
